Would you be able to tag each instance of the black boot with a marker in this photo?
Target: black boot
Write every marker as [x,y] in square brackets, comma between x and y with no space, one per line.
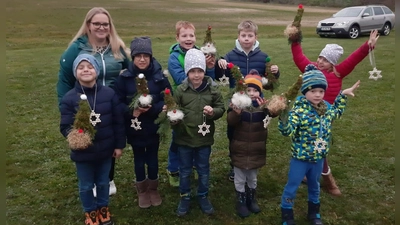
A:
[313,214]
[241,207]
[287,217]
[251,200]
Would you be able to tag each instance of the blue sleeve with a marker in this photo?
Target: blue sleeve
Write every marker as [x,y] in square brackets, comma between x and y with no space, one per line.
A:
[175,69]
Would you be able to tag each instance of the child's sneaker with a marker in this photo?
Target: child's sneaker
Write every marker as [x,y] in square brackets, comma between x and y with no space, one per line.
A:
[173,178]
[113,188]
[184,205]
[205,204]
[105,216]
[91,218]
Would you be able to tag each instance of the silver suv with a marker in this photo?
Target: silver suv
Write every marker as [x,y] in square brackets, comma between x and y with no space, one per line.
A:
[353,21]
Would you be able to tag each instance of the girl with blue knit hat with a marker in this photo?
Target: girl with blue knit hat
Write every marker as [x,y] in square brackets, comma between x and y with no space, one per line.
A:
[91,110]
[308,124]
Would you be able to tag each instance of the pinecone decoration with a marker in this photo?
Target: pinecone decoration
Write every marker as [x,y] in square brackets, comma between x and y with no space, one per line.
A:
[142,98]
[239,99]
[269,81]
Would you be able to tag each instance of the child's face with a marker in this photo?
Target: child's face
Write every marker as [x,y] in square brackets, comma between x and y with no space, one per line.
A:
[247,39]
[323,64]
[86,73]
[186,38]
[141,61]
[253,93]
[196,76]
[315,95]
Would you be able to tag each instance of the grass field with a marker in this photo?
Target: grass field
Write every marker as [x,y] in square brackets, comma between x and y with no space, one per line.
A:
[41,185]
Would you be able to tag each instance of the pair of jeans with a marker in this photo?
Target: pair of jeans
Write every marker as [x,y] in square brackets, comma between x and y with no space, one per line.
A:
[200,158]
[297,170]
[90,174]
[143,156]
[173,157]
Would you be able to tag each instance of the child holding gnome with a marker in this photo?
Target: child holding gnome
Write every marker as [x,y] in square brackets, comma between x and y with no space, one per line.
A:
[92,121]
[328,63]
[140,88]
[249,117]
[201,103]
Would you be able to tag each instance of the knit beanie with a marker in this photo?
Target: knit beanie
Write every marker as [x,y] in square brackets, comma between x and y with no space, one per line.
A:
[89,58]
[253,79]
[313,78]
[194,58]
[141,45]
[332,53]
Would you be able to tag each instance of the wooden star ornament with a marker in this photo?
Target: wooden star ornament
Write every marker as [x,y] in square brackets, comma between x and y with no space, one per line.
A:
[266,121]
[224,80]
[319,145]
[94,118]
[136,124]
[204,129]
[375,74]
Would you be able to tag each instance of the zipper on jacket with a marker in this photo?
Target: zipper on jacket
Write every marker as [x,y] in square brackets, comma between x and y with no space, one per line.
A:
[104,69]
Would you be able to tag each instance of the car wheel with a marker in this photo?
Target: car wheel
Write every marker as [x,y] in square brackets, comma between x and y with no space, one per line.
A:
[386,29]
[354,32]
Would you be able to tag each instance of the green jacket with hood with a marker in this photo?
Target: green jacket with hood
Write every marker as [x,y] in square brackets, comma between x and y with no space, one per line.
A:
[110,67]
[192,102]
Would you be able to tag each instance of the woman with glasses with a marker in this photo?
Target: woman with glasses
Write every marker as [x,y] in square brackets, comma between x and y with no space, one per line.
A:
[98,37]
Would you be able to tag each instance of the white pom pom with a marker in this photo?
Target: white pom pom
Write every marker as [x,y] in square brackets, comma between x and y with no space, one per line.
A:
[241,100]
[209,48]
[175,115]
[264,81]
[83,97]
[166,73]
[141,75]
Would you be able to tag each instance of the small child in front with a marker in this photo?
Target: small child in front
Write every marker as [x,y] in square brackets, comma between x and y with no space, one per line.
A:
[201,102]
[93,163]
[308,124]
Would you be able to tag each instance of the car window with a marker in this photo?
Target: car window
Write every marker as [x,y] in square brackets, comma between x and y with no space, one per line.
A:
[387,10]
[378,11]
[349,12]
[369,11]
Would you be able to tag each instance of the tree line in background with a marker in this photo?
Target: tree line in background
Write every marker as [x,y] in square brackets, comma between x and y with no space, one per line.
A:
[332,3]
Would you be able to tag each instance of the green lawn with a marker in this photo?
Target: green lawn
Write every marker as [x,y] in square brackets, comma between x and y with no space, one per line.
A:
[41,185]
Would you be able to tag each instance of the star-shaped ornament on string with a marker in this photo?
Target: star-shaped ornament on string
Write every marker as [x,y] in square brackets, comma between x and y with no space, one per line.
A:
[319,145]
[224,80]
[204,129]
[94,118]
[136,124]
[375,74]
[266,121]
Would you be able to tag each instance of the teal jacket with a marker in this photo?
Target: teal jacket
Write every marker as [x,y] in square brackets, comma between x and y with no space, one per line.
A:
[305,127]
[110,67]
[192,102]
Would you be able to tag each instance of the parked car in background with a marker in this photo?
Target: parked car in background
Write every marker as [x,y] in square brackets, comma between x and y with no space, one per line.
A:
[353,21]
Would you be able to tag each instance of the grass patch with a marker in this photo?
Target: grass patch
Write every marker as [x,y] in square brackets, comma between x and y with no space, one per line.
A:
[41,184]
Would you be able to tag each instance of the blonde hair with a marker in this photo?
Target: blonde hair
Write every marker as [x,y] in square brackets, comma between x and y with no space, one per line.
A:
[183,24]
[248,26]
[114,40]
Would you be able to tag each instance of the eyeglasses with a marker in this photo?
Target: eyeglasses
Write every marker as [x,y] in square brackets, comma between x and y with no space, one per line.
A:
[97,25]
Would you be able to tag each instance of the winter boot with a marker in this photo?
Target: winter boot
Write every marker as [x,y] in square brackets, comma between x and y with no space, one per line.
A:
[241,206]
[184,205]
[330,184]
[105,216]
[155,197]
[287,217]
[143,194]
[205,204]
[313,214]
[91,218]
[251,200]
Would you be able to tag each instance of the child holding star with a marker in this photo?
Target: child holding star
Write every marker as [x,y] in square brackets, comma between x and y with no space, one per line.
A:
[140,88]
[202,104]
[103,121]
[335,72]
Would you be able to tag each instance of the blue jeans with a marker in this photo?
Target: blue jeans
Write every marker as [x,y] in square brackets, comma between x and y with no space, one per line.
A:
[199,156]
[297,170]
[143,156]
[89,174]
[173,157]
